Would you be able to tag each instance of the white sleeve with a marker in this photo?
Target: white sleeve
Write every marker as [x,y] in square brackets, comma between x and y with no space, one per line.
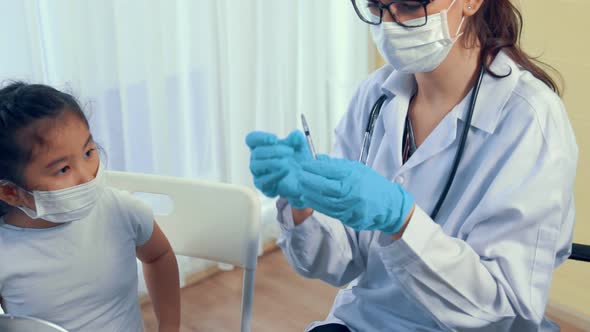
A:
[321,247]
[139,215]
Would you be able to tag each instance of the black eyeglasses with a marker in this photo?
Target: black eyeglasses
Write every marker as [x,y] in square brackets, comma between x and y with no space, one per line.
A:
[407,13]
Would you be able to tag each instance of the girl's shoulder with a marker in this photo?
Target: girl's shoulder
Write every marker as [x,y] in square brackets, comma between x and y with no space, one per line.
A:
[129,212]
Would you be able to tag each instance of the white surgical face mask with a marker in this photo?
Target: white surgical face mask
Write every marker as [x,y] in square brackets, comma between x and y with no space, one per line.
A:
[416,50]
[66,205]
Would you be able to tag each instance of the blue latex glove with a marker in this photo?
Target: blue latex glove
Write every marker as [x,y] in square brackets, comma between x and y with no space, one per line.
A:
[275,164]
[355,194]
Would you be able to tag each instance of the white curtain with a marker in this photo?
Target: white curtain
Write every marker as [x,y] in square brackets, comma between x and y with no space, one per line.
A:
[173,87]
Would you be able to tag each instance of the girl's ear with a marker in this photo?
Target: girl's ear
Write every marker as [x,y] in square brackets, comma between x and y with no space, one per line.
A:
[9,194]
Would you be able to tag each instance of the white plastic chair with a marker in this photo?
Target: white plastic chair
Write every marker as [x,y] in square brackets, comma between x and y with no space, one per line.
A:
[210,220]
[12,323]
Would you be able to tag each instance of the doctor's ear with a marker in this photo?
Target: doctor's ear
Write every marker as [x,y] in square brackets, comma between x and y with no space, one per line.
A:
[9,194]
[470,7]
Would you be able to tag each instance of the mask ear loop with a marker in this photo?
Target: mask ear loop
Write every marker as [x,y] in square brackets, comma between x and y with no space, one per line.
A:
[445,14]
[8,182]
[457,33]
[18,189]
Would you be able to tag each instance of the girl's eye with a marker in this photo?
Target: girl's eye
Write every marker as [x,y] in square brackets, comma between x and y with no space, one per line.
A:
[89,153]
[63,170]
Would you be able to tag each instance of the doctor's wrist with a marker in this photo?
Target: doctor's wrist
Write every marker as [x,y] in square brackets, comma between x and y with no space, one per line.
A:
[300,215]
[400,233]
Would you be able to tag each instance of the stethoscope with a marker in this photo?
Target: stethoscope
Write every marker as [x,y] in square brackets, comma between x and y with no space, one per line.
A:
[376,110]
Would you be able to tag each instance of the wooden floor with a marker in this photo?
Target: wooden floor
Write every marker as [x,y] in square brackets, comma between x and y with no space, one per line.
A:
[283,301]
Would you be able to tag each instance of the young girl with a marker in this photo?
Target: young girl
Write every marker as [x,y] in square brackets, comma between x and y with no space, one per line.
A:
[68,243]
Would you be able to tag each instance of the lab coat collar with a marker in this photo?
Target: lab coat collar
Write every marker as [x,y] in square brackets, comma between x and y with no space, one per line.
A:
[493,94]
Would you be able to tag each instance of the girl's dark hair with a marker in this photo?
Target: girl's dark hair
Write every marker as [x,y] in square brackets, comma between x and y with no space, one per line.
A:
[21,106]
[497,26]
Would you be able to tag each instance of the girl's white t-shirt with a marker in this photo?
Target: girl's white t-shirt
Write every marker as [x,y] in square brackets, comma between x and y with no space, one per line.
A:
[80,275]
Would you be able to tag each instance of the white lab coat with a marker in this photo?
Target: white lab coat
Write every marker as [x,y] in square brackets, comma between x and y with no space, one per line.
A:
[506,223]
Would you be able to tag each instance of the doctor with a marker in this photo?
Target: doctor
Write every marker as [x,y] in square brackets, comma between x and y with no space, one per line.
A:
[419,248]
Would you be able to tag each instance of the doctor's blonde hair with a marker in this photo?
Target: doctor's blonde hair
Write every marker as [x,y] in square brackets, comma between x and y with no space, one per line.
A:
[497,26]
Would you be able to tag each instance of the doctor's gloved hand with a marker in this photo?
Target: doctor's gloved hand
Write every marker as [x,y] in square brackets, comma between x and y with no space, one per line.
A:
[355,194]
[275,164]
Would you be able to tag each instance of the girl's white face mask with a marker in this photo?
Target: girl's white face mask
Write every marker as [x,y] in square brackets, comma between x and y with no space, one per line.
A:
[416,50]
[66,205]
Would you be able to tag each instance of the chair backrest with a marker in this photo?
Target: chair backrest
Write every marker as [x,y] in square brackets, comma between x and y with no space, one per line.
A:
[11,323]
[580,252]
[210,220]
